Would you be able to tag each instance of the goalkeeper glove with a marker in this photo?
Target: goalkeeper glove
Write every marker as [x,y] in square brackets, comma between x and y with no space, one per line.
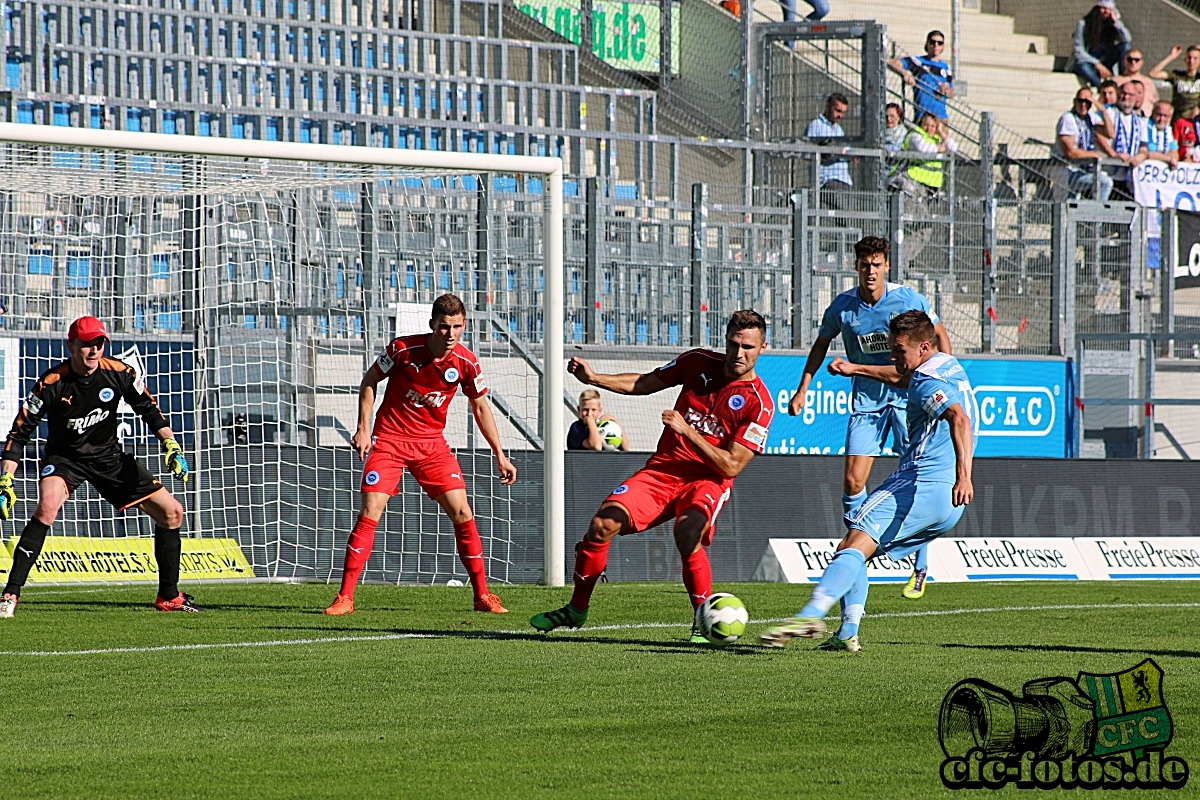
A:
[8,497]
[175,461]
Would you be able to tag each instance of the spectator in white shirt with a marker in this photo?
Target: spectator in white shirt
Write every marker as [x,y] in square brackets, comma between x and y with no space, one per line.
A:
[835,169]
[896,131]
[1129,131]
[1159,143]
[1076,142]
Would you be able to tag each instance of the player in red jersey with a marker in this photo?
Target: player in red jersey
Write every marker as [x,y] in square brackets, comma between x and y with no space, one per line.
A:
[423,373]
[719,422]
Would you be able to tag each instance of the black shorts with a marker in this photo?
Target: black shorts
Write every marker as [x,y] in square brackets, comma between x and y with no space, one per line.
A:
[120,479]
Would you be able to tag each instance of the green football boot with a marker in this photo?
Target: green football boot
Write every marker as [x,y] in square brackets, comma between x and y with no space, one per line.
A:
[915,588]
[566,617]
[796,628]
[697,637]
[834,644]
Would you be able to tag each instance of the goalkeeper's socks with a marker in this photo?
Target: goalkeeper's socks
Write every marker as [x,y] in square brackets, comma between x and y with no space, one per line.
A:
[470,551]
[854,602]
[24,554]
[850,503]
[358,550]
[167,549]
[922,558]
[838,579]
[697,576]
[590,560]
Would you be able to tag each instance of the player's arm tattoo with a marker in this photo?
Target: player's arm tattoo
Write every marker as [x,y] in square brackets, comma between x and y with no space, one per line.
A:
[960,436]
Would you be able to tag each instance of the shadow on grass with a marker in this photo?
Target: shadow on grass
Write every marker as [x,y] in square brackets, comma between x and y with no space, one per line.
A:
[1066,648]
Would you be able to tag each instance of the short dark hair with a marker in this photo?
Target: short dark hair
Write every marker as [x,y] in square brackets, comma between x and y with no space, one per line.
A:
[837,97]
[1195,48]
[1109,82]
[870,245]
[916,326]
[448,305]
[896,106]
[932,34]
[744,320]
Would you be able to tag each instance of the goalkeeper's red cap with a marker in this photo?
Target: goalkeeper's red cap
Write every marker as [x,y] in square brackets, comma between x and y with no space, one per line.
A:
[86,329]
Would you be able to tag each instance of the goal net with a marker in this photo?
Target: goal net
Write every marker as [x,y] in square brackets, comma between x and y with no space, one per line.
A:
[251,284]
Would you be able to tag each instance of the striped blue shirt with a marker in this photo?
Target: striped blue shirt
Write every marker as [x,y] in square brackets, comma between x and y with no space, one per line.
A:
[819,130]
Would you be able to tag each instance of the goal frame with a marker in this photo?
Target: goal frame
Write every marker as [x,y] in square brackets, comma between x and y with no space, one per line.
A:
[549,167]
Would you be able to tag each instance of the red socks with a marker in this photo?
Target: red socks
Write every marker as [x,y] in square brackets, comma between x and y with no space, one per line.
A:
[590,561]
[358,550]
[470,550]
[697,576]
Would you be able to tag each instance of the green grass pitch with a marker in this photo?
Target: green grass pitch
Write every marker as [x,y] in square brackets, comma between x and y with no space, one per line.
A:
[481,706]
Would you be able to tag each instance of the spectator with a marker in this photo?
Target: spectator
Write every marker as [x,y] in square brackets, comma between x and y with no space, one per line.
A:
[929,138]
[820,9]
[896,131]
[1108,93]
[1159,144]
[1187,135]
[930,78]
[1132,71]
[835,170]
[1129,132]
[1185,83]
[1077,143]
[1101,42]
[585,433]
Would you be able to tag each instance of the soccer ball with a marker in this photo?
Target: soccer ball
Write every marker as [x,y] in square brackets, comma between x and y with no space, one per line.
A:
[722,618]
[611,432]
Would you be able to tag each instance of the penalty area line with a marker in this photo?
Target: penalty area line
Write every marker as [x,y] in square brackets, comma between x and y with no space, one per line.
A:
[389,637]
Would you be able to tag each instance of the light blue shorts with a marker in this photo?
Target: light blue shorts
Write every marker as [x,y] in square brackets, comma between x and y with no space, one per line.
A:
[868,431]
[903,515]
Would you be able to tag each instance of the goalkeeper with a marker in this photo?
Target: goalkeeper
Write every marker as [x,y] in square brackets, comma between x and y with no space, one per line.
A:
[79,399]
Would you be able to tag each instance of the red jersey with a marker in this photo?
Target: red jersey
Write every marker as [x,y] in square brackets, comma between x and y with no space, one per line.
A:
[720,409]
[1185,131]
[412,374]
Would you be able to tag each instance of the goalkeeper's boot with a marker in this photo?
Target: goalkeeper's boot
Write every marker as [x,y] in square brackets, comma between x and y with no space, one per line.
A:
[181,603]
[915,587]
[796,628]
[8,606]
[340,605]
[566,617]
[697,637]
[490,603]
[834,644]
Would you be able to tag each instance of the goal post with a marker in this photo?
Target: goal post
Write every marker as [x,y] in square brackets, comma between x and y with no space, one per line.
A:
[80,205]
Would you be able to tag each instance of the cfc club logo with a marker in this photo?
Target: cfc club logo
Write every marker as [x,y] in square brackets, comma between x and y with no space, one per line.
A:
[622,489]
[371,478]
[737,402]
[1091,732]
[106,394]
[81,424]
[451,375]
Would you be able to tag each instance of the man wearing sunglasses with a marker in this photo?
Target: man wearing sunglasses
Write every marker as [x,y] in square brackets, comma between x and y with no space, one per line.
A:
[929,76]
[1131,72]
[1080,139]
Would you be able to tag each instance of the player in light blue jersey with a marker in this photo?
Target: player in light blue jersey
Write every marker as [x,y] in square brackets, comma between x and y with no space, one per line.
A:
[861,315]
[920,501]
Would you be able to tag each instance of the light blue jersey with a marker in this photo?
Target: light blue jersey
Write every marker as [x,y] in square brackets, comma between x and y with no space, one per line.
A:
[864,330]
[935,386]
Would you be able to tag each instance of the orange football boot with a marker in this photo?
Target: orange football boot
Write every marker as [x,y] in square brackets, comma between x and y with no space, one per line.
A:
[490,603]
[341,605]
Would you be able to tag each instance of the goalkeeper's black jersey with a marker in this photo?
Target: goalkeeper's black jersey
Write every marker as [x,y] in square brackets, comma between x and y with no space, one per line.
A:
[81,410]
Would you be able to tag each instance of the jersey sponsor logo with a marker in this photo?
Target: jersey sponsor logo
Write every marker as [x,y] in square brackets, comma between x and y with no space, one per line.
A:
[451,375]
[47,470]
[371,478]
[106,394]
[81,424]
[480,384]
[935,402]
[873,343]
[737,402]
[385,362]
[622,489]
[433,399]
[33,403]
[706,424]
[756,435]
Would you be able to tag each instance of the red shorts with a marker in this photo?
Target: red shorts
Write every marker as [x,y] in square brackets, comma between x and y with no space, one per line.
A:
[429,460]
[652,497]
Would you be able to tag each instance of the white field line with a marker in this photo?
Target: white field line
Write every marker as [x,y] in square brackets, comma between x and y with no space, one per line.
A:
[387,637]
